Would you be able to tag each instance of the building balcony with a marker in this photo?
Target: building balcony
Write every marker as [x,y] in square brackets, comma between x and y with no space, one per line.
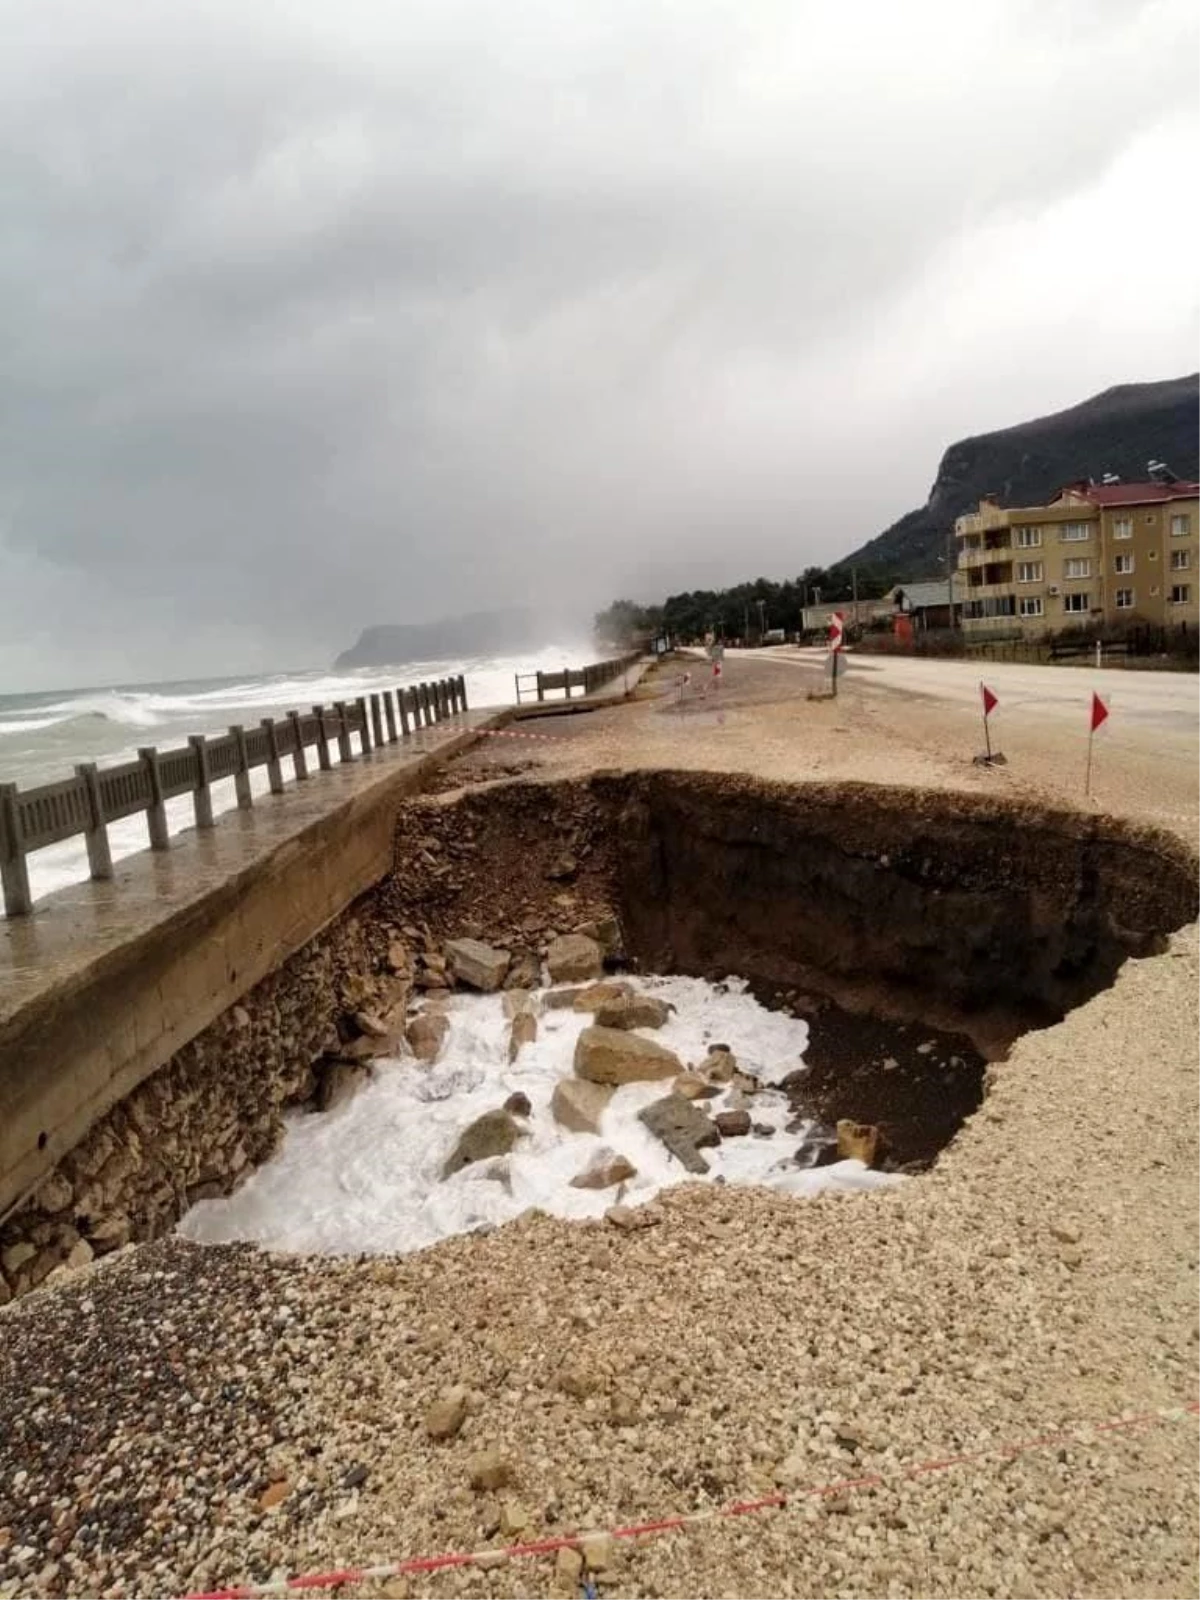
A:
[980,554]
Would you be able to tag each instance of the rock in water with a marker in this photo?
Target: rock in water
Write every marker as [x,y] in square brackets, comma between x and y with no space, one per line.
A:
[599,994]
[683,1128]
[523,1031]
[426,1034]
[604,1171]
[493,1134]
[859,1141]
[633,1011]
[517,1000]
[578,1105]
[732,1124]
[337,1081]
[610,1055]
[477,964]
[719,1065]
[572,958]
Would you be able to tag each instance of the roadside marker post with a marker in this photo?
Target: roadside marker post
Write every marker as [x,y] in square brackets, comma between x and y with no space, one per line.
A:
[990,758]
[837,643]
[1099,715]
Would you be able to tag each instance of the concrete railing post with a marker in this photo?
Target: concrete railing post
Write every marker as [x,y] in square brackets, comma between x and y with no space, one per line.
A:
[426,706]
[389,711]
[376,720]
[241,778]
[364,725]
[441,701]
[402,702]
[274,770]
[96,833]
[541,687]
[202,796]
[462,692]
[299,759]
[14,872]
[345,748]
[156,814]
[324,759]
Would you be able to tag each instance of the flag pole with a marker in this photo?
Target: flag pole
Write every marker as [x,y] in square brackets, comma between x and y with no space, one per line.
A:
[987,735]
[1087,776]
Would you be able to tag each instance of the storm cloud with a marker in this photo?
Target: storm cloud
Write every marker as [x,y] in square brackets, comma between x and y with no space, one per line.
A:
[317,316]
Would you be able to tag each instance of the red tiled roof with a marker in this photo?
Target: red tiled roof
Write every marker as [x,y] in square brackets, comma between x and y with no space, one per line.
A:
[1136,494]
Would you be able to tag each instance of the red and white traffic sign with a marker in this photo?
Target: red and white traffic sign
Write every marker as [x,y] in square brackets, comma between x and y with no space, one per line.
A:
[837,631]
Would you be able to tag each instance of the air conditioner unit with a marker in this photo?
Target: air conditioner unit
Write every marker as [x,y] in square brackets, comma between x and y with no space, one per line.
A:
[1053,589]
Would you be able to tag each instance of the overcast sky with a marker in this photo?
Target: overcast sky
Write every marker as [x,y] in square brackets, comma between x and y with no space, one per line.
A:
[316,315]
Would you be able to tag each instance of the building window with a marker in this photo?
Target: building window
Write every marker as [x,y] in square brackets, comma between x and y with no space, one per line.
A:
[1181,560]
[1124,599]
[1181,525]
[1029,605]
[1181,593]
[1075,532]
[1075,602]
[1122,563]
[1123,528]
[1029,538]
[1029,571]
[1077,567]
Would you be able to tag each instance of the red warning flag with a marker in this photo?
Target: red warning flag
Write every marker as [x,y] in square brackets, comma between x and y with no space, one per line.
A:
[990,701]
[716,669]
[1099,711]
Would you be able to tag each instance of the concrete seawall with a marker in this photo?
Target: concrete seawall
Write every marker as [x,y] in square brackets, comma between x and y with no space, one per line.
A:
[109,980]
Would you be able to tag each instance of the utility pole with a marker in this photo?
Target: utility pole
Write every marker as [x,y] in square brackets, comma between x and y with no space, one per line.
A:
[950,573]
[854,591]
[762,623]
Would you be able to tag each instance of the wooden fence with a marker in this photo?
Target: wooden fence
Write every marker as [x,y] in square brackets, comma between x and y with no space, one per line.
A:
[30,819]
[536,685]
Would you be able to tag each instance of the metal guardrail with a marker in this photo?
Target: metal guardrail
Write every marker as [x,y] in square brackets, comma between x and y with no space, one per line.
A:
[535,685]
[31,819]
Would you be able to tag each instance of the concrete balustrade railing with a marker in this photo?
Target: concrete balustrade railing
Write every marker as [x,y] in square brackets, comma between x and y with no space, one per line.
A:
[31,819]
[536,685]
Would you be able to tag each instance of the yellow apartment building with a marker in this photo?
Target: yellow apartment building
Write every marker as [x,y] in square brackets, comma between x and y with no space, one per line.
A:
[1112,552]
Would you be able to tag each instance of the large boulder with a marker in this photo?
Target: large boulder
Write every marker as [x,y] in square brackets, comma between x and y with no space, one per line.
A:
[683,1128]
[633,1011]
[476,964]
[579,1106]
[493,1134]
[605,1170]
[337,1082]
[610,1055]
[574,958]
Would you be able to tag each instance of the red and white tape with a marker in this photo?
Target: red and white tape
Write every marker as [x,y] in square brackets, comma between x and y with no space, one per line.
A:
[511,733]
[1083,1433]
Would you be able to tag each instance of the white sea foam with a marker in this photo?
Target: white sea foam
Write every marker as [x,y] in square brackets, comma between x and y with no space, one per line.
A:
[367,1176]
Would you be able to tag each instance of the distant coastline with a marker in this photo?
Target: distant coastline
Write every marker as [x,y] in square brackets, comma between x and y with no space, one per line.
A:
[477,633]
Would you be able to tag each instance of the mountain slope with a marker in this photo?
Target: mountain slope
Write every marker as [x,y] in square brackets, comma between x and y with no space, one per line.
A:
[1117,431]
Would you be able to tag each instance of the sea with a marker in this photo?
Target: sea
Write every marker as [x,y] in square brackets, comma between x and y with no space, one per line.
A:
[43,736]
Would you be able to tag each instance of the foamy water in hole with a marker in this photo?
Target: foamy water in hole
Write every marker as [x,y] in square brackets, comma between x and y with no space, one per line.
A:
[366,1177]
